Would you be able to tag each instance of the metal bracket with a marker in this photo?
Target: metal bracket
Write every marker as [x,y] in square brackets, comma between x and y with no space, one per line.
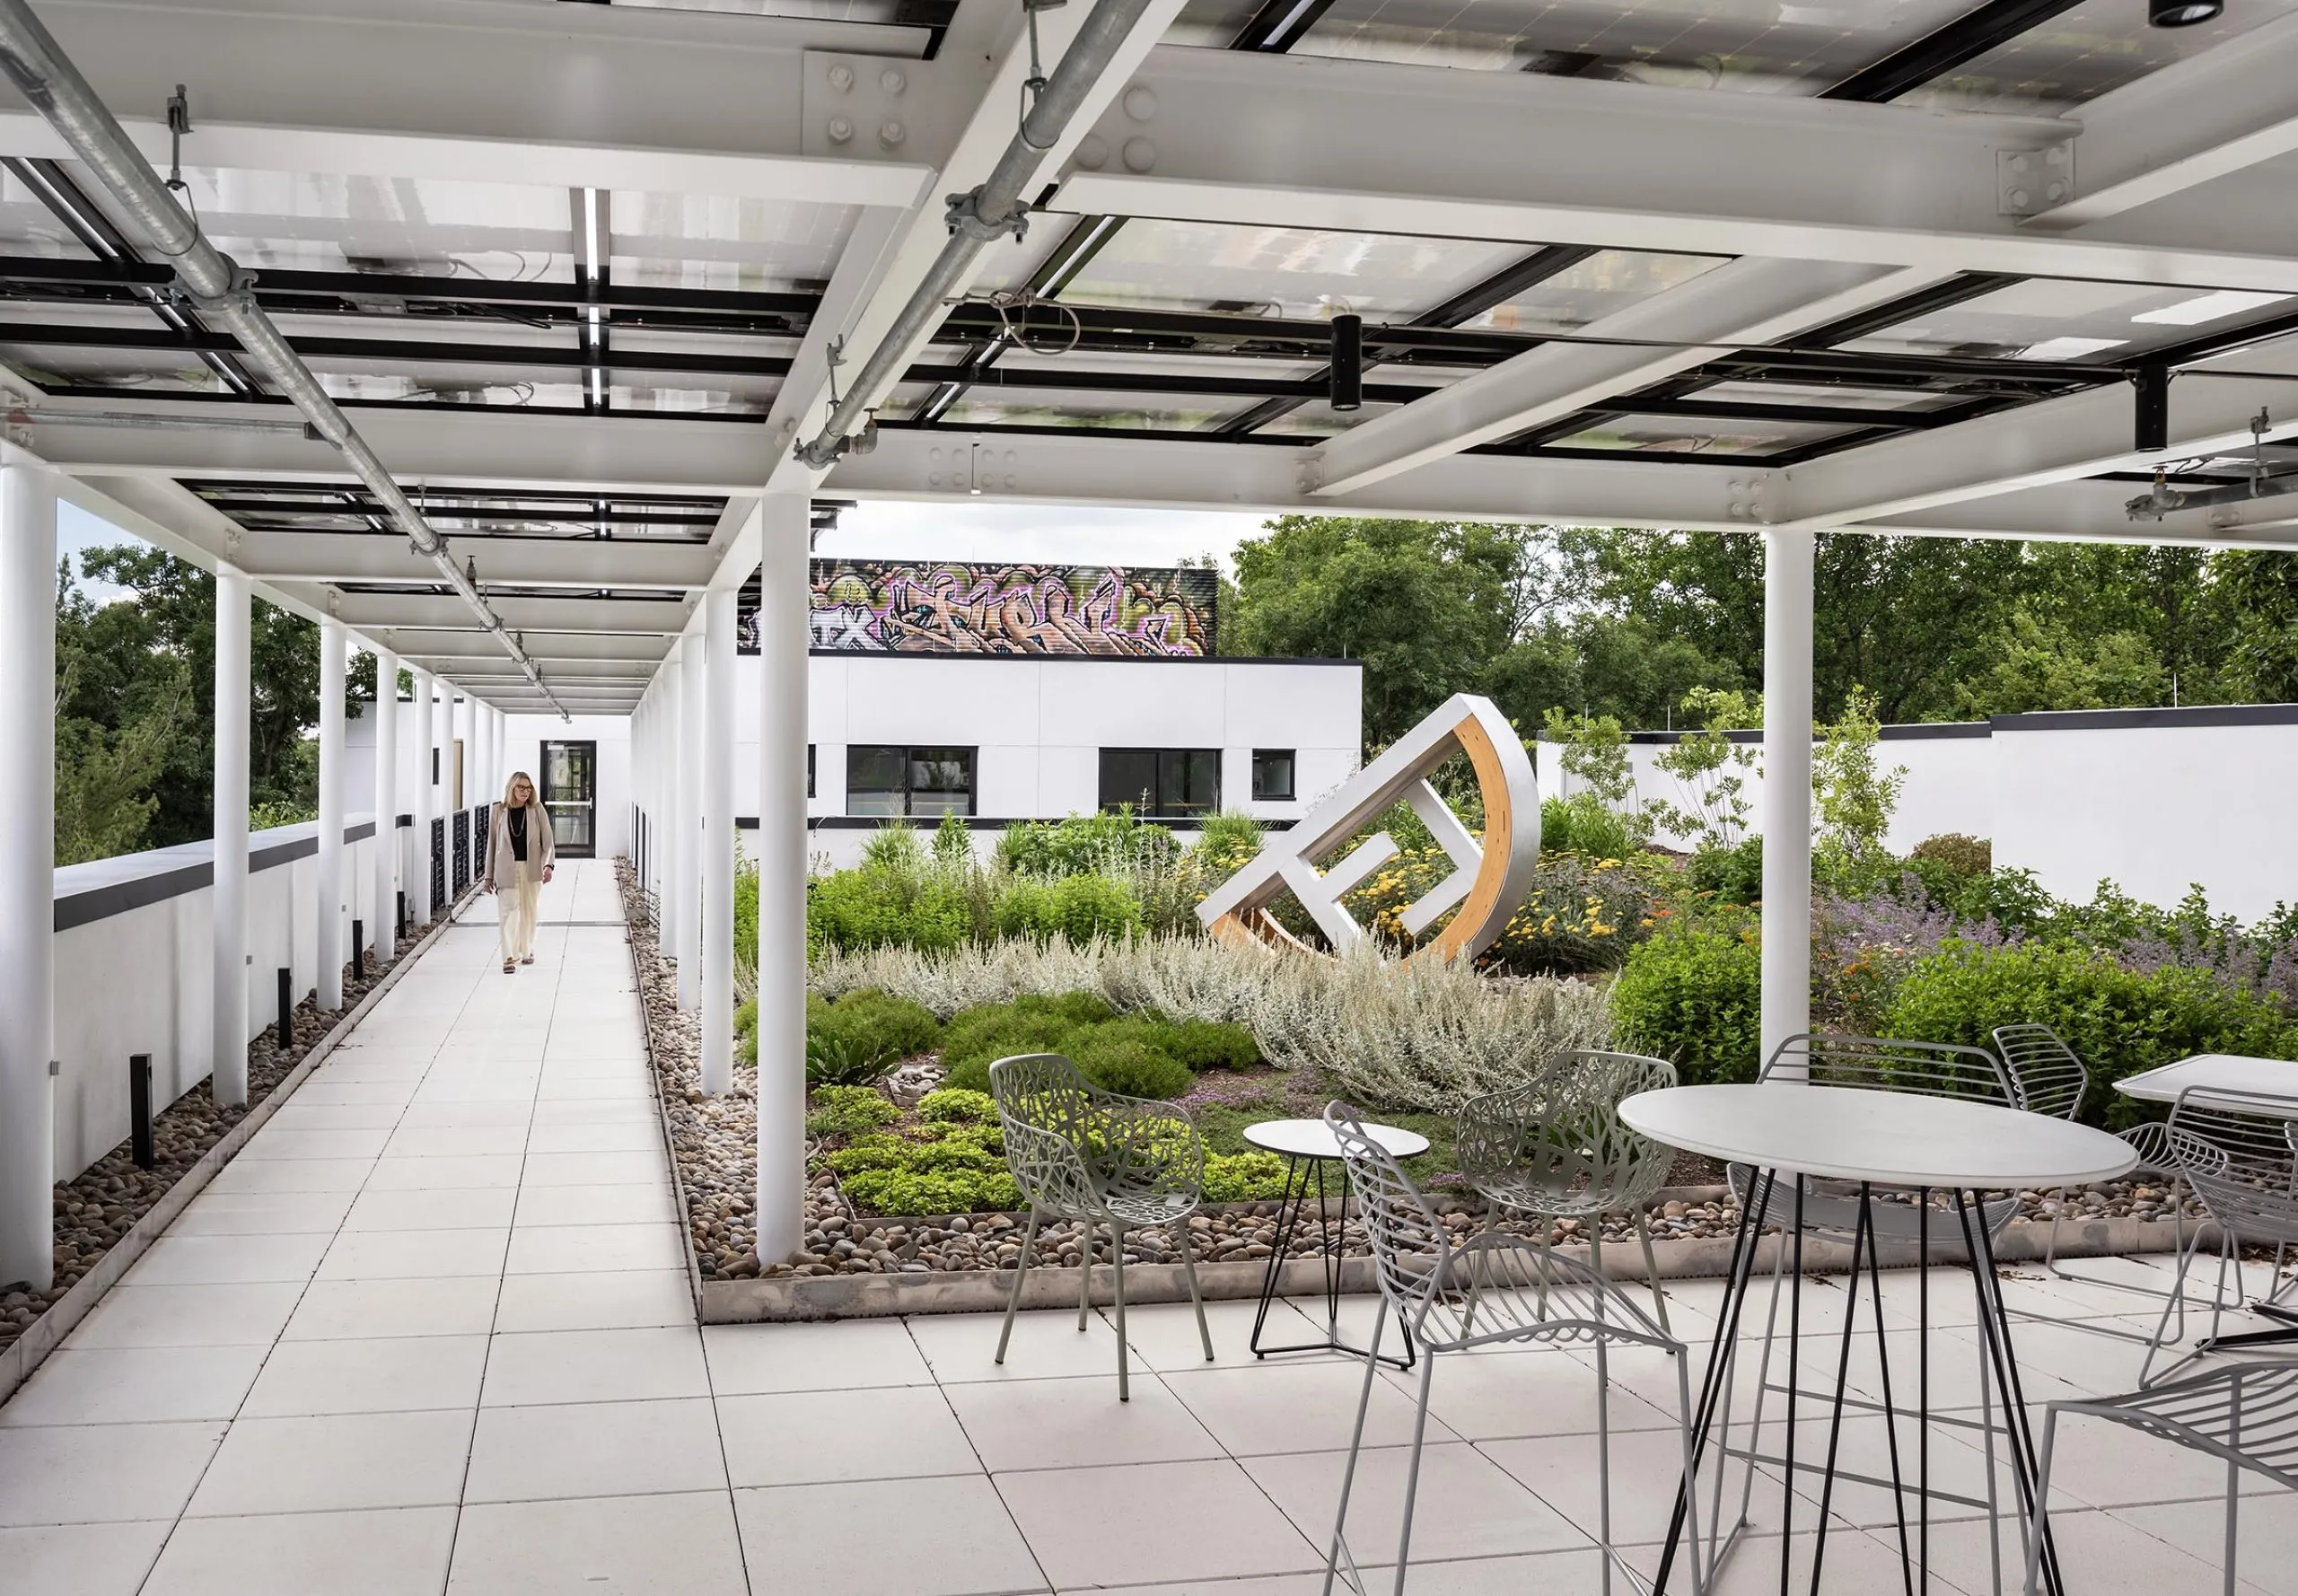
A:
[966,220]
[2028,182]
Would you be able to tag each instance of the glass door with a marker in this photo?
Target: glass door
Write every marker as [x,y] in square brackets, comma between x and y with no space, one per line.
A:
[570,782]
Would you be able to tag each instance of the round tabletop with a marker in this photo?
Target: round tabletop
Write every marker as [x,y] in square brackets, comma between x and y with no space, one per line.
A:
[1313,1139]
[1897,1138]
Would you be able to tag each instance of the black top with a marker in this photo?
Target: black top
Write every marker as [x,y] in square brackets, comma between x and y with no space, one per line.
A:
[518,820]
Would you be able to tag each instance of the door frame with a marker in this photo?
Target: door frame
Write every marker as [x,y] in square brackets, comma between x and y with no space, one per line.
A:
[543,780]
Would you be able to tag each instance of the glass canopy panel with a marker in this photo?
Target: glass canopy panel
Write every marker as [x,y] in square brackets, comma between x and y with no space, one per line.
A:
[1691,435]
[1281,271]
[2081,54]
[830,11]
[1608,281]
[128,370]
[1318,419]
[449,382]
[408,226]
[30,229]
[1819,393]
[1756,47]
[1210,370]
[708,240]
[2065,319]
[1041,407]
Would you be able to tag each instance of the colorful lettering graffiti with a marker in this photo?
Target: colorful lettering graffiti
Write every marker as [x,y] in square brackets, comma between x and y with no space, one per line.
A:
[889,607]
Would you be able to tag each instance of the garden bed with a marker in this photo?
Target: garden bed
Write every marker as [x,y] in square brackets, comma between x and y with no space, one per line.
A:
[856,1262]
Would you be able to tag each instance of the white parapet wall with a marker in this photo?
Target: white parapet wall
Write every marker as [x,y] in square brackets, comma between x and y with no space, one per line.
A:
[2157,800]
[133,967]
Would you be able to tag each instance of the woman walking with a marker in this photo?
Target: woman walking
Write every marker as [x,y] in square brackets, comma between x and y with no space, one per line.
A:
[519,854]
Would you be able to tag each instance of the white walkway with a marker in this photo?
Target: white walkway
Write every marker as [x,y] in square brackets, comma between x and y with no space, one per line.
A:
[429,1333]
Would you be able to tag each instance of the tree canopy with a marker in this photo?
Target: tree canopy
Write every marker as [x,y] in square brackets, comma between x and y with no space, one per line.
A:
[1625,622]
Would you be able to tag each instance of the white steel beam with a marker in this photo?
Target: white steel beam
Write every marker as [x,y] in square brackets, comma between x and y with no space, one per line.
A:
[2094,511]
[453,650]
[578,562]
[2191,123]
[1746,301]
[2061,440]
[961,468]
[1377,147]
[651,100]
[381,614]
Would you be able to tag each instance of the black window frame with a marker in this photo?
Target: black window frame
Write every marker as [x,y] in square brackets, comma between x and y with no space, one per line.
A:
[911,757]
[1112,788]
[810,770]
[1292,757]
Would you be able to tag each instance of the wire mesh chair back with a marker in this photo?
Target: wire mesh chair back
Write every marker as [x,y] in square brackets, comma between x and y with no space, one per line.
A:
[2240,1153]
[1491,1287]
[2049,1076]
[1878,1064]
[1556,1143]
[1045,1108]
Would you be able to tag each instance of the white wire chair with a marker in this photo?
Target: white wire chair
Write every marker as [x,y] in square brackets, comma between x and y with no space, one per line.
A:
[1492,1287]
[1556,1147]
[2239,1151]
[1096,1158]
[2246,1415]
[2051,1078]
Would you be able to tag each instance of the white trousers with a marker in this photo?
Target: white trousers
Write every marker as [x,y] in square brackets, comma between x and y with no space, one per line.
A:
[515,896]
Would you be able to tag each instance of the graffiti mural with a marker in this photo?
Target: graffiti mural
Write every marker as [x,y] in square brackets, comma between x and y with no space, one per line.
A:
[918,607]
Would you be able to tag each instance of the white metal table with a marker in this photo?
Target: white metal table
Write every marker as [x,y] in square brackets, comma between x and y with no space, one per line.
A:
[1902,1146]
[2240,1075]
[1307,1146]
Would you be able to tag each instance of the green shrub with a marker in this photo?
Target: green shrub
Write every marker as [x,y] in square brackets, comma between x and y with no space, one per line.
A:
[955,1106]
[2121,1021]
[1130,1065]
[952,842]
[1202,1045]
[1085,907]
[875,906]
[746,1031]
[1229,832]
[1584,824]
[1694,998]
[935,1191]
[1084,845]
[1963,856]
[1243,1177]
[893,847]
[1733,874]
[849,1111]
[851,1042]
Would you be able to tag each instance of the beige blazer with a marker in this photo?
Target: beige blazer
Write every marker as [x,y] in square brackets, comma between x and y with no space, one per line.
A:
[541,851]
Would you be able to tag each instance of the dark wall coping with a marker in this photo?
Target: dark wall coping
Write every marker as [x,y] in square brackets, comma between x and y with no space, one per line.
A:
[103,888]
[2163,718]
[1078,659]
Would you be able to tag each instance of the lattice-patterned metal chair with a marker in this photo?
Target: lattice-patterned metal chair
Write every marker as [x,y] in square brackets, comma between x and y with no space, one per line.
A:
[2246,1416]
[1490,1288]
[1098,1158]
[2051,1078]
[2239,1151]
[1554,1147]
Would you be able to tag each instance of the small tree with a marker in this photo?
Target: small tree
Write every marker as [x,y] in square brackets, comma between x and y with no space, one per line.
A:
[1711,770]
[1594,752]
[1852,800]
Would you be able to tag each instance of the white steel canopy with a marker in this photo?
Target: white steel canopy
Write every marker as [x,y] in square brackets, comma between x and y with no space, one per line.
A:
[576,273]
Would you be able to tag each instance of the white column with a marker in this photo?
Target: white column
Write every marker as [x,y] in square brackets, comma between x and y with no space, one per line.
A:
[1786,785]
[386,931]
[331,883]
[781,628]
[686,933]
[426,798]
[229,1039]
[718,846]
[666,870]
[27,876]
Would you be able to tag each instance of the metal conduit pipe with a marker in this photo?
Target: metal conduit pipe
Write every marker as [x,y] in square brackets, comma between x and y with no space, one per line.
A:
[47,78]
[990,212]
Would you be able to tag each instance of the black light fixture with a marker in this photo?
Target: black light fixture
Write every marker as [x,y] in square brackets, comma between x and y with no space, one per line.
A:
[1347,361]
[2181,14]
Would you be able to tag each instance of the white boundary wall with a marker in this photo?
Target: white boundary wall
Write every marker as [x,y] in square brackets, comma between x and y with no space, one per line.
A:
[137,978]
[2155,800]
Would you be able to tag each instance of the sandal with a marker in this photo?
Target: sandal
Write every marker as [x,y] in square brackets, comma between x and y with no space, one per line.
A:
[530,959]
[508,968]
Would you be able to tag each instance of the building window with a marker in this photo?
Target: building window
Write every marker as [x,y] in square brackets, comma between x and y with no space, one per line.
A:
[1272,776]
[810,770]
[930,782]
[1164,784]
